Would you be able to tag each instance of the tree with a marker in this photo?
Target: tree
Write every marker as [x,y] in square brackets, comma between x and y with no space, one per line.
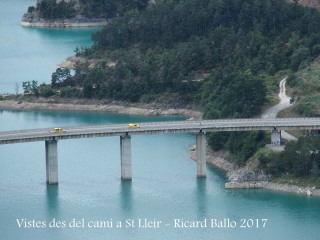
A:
[31,9]
[45,90]
[31,86]
[298,56]
[26,86]
[60,76]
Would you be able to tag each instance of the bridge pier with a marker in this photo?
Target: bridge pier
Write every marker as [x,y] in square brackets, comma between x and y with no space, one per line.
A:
[276,137]
[201,145]
[52,161]
[126,165]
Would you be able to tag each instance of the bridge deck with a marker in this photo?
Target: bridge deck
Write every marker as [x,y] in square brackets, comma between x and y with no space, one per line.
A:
[47,134]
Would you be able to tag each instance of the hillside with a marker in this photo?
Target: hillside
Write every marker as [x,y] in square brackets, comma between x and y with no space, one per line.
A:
[305,86]
[223,57]
[78,13]
[220,56]
[90,13]
[309,3]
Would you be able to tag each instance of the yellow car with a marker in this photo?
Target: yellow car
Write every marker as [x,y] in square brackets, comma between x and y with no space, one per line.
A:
[58,130]
[133,125]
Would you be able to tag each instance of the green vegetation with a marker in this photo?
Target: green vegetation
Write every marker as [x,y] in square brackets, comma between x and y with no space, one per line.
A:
[228,97]
[305,87]
[172,43]
[299,159]
[53,9]
[50,9]
[221,56]
[110,8]
[242,145]
[31,86]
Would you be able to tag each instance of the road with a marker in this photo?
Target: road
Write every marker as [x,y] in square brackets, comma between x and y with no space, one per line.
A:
[47,134]
[284,103]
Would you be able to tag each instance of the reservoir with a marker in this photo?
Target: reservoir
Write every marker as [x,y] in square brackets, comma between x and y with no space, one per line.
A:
[164,200]
[32,53]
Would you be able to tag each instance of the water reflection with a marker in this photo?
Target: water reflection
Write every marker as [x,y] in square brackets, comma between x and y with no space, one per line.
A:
[78,36]
[126,196]
[201,197]
[52,199]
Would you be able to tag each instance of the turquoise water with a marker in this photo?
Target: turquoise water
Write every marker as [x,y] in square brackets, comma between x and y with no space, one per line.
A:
[28,54]
[164,186]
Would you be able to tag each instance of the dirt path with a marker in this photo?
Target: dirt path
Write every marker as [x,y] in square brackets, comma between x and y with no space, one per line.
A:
[283,104]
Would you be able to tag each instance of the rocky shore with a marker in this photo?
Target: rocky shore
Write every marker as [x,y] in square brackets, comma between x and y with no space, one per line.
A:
[243,177]
[93,105]
[246,178]
[34,20]
[64,24]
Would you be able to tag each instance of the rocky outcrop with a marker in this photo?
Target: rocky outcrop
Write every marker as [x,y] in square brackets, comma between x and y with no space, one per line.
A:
[309,191]
[242,177]
[239,177]
[246,175]
[246,178]
[244,185]
[34,20]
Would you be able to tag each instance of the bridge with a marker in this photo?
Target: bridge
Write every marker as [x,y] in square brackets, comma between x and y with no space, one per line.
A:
[199,128]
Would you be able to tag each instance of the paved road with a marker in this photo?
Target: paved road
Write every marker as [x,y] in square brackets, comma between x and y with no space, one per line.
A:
[267,122]
[47,134]
[284,103]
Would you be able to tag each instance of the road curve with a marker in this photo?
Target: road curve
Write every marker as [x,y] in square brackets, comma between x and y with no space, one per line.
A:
[284,103]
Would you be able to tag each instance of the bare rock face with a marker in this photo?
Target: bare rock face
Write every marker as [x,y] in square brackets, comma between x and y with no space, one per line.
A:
[245,175]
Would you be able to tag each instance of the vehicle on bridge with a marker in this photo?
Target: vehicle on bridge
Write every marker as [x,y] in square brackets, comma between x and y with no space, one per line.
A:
[133,125]
[58,130]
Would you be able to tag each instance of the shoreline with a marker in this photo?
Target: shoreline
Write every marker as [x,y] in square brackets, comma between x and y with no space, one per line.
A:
[98,106]
[239,178]
[34,20]
[63,24]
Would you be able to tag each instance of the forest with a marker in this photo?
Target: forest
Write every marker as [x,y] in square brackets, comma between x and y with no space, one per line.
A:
[219,55]
[53,9]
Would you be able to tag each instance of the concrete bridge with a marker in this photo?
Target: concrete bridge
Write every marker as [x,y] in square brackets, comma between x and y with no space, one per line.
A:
[200,128]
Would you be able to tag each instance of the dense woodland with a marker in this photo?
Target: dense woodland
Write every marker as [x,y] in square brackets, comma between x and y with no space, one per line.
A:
[220,55]
[53,9]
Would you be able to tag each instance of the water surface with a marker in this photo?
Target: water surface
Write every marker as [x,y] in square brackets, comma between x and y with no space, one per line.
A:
[164,188]
[32,53]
